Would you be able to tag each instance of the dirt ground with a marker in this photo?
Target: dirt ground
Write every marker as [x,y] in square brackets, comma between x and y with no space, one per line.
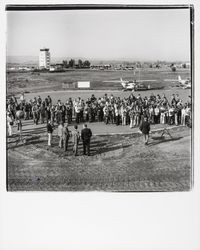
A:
[119,162]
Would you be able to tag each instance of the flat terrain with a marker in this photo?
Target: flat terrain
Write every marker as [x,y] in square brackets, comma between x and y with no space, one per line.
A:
[29,82]
[119,162]
[119,159]
[84,94]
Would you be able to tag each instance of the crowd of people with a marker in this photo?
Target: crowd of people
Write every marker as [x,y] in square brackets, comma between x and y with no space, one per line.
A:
[130,111]
[108,109]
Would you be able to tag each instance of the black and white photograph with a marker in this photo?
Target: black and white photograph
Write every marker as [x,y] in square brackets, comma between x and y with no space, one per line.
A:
[99,99]
[100,117]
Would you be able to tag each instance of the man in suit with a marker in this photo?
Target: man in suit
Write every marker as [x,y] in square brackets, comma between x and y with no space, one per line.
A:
[49,132]
[66,135]
[145,128]
[86,134]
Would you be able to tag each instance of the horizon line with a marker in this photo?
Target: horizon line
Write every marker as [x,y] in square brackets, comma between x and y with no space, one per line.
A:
[107,59]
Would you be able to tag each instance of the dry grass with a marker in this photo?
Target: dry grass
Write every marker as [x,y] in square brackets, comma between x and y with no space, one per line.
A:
[17,82]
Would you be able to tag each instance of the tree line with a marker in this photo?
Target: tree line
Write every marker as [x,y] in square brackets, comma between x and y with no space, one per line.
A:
[80,64]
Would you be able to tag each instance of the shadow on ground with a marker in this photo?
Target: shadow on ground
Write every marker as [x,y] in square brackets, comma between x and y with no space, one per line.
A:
[162,139]
[32,140]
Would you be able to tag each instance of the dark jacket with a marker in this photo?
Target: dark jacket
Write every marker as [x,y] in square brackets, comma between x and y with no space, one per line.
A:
[145,127]
[49,128]
[86,134]
[66,133]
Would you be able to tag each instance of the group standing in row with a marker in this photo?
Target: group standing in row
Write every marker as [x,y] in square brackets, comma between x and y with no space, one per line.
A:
[64,135]
[108,109]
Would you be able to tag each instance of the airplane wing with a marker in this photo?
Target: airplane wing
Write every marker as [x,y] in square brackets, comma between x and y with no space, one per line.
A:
[146,80]
[117,81]
[187,87]
[171,80]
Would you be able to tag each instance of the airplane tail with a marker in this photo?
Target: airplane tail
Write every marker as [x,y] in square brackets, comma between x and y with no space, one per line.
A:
[122,83]
[179,78]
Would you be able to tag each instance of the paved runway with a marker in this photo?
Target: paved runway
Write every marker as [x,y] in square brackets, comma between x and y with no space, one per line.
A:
[98,128]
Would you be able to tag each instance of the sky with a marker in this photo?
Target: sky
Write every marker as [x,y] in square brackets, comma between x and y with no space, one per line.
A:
[101,34]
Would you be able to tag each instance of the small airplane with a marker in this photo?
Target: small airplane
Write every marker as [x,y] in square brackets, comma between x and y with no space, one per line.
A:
[184,83]
[134,85]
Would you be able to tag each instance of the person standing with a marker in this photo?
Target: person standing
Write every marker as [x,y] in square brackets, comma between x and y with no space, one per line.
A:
[35,111]
[49,132]
[137,117]
[75,139]
[26,110]
[124,114]
[60,134]
[183,112]
[66,135]
[86,135]
[77,112]
[42,113]
[10,124]
[157,114]
[48,114]
[152,114]
[106,114]
[49,100]
[22,98]
[145,128]
[187,114]
[170,115]
[19,127]
[63,112]
[117,118]
[58,114]
[52,114]
[162,115]
[131,115]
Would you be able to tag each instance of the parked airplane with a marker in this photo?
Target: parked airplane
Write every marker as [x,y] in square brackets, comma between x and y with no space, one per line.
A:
[135,85]
[184,83]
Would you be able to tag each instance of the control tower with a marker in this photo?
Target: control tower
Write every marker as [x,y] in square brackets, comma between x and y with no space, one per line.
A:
[44,59]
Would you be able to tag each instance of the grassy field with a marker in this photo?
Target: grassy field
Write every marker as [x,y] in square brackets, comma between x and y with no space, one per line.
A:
[28,82]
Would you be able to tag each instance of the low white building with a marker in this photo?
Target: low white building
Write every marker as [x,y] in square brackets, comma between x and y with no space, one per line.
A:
[83,84]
